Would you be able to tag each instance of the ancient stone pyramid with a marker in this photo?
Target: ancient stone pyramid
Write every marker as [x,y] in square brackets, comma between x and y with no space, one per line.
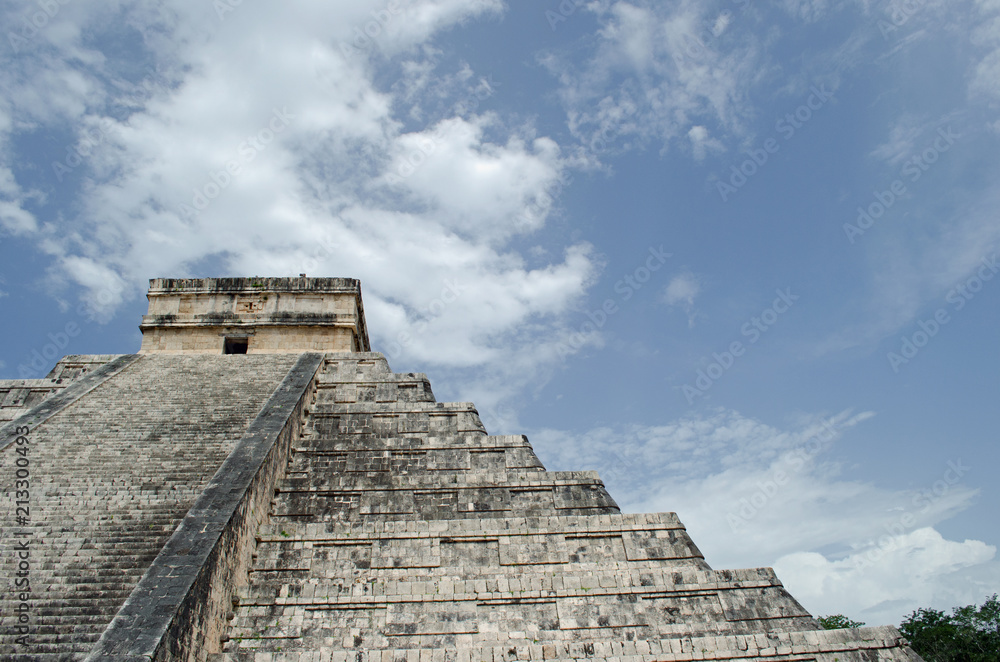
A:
[296,500]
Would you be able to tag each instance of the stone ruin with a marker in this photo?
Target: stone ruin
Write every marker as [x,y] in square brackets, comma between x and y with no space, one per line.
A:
[257,485]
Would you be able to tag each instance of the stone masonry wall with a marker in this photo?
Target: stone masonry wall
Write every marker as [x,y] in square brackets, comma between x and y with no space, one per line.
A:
[111,475]
[402,532]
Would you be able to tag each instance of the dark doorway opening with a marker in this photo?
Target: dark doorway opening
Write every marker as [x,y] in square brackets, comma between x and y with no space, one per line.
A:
[235,346]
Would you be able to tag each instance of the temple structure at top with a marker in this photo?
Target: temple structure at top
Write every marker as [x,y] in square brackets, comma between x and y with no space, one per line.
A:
[254,316]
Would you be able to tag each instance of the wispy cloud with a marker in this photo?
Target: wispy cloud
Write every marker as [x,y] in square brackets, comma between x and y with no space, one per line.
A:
[682,290]
[660,72]
[985,80]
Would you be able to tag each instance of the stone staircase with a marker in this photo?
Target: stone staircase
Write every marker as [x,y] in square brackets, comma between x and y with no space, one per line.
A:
[111,476]
[402,532]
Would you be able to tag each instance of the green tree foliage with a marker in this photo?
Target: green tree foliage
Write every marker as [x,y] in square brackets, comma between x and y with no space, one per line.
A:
[969,634]
[838,621]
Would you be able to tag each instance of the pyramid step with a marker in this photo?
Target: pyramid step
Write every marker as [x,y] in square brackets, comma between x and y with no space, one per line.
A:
[464,441]
[371,473]
[384,389]
[373,585]
[863,645]
[656,525]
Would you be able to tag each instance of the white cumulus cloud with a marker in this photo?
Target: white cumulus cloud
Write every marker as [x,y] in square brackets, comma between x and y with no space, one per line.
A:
[265,141]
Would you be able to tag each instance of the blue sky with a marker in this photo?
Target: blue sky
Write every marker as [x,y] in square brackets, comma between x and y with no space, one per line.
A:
[738,256]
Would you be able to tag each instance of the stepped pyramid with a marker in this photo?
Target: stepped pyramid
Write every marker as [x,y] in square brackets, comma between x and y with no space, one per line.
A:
[257,485]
